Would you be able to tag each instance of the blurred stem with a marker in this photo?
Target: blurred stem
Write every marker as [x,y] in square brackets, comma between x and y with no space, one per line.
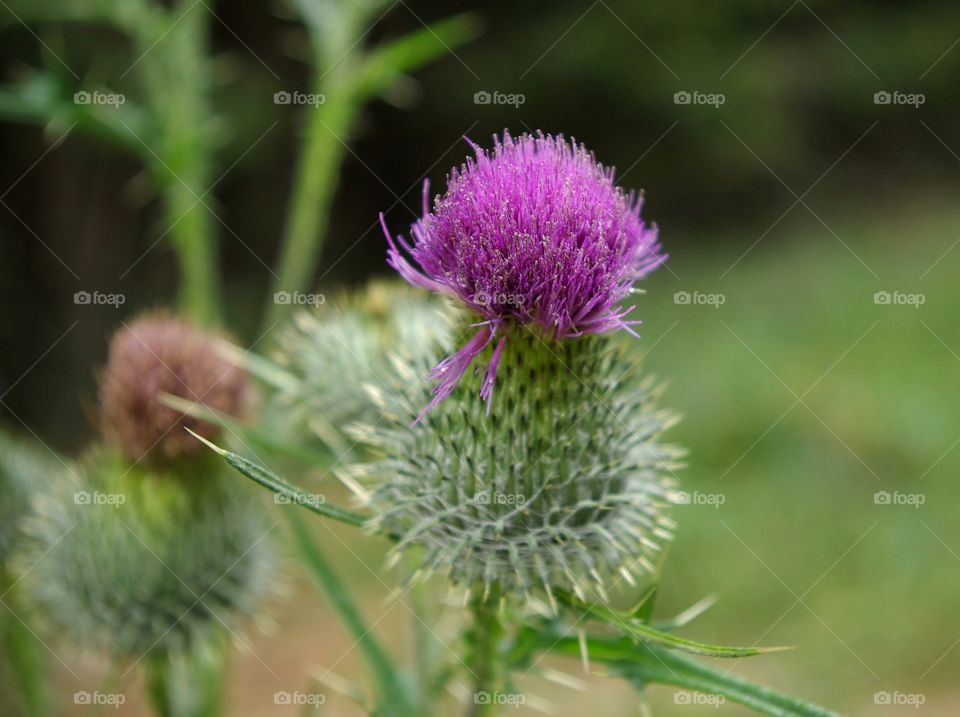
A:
[106,687]
[393,697]
[197,255]
[189,684]
[23,665]
[313,188]
[485,661]
[337,58]
[174,67]
[347,74]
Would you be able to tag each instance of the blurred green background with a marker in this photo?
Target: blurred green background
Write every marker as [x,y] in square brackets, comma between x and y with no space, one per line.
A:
[785,210]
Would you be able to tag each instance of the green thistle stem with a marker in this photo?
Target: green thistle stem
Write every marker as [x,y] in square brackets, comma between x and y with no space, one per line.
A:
[485,660]
[394,699]
[188,685]
[193,238]
[313,191]
[22,669]
[179,146]
[356,74]
[110,680]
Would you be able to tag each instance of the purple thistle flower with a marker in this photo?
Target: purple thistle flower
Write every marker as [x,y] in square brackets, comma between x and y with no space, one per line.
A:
[532,233]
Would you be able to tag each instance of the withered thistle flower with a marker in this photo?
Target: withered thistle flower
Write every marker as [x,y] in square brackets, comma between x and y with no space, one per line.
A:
[159,354]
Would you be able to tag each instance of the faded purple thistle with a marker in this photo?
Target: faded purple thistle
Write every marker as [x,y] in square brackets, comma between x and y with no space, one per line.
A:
[534,232]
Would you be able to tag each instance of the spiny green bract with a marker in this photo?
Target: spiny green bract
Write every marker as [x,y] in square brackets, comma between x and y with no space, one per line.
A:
[564,484]
[334,356]
[132,562]
[24,470]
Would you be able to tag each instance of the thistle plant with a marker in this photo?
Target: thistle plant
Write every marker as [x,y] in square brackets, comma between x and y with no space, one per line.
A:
[538,481]
[142,551]
[564,482]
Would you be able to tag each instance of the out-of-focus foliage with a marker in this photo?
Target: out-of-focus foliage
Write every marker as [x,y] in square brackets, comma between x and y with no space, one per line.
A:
[25,470]
[137,562]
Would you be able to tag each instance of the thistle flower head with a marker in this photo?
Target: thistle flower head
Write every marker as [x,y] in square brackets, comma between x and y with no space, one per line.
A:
[534,232]
[157,355]
[132,561]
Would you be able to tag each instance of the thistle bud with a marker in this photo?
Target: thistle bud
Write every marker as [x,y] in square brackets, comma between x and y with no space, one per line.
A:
[134,562]
[336,354]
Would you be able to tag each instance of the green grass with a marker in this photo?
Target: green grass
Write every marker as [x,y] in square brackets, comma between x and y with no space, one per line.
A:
[881,414]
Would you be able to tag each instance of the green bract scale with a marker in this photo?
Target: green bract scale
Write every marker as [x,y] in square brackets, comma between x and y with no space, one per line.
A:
[564,484]
[24,471]
[135,563]
[332,356]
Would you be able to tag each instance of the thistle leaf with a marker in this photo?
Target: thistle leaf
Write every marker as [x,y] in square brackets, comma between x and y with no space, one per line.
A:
[259,367]
[645,664]
[256,437]
[272,482]
[640,631]
[644,608]
[388,62]
[44,99]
